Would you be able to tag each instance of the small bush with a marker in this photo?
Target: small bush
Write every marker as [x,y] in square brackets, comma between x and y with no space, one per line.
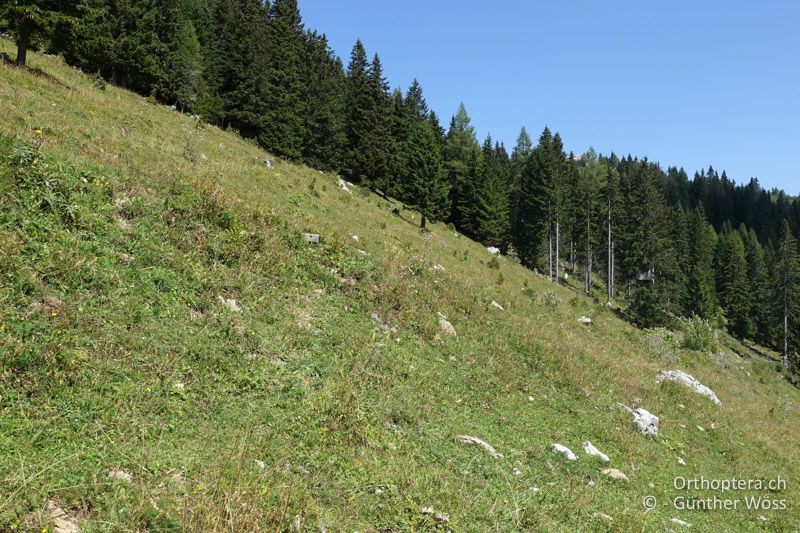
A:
[699,335]
[662,342]
[494,263]
[551,299]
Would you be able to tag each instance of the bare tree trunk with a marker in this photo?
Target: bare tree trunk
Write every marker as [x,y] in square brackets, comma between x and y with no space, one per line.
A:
[610,282]
[422,222]
[558,238]
[22,51]
[785,331]
[549,242]
[588,246]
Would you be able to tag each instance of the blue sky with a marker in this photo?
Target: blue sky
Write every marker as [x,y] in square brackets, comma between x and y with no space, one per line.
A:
[686,83]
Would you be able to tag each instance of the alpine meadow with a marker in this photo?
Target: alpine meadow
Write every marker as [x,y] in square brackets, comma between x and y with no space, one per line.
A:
[246,285]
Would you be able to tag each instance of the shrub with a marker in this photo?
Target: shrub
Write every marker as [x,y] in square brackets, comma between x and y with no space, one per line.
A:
[662,342]
[494,262]
[699,335]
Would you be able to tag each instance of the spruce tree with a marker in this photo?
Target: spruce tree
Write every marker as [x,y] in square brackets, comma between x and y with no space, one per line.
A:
[757,277]
[787,289]
[492,210]
[31,21]
[701,295]
[732,284]
[283,124]
[324,92]
[462,159]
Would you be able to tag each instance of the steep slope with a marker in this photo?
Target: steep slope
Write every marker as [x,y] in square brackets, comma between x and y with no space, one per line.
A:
[162,317]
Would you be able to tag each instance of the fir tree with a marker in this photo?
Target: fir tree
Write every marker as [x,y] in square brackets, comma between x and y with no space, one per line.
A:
[324,89]
[33,21]
[462,158]
[701,296]
[787,289]
[492,211]
[283,124]
[732,285]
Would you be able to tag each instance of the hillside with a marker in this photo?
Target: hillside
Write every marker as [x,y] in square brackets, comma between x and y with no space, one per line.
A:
[175,356]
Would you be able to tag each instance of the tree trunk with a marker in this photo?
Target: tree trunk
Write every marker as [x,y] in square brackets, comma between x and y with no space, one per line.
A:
[588,247]
[422,222]
[558,238]
[22,51]
[785,333]
[549,242]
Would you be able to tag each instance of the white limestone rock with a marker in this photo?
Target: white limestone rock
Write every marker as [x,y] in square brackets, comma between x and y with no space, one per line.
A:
[468,439]
[590,449]
[646,421]
[685,379]
[566,451]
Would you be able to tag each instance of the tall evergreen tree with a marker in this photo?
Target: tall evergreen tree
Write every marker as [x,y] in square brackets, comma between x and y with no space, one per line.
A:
[787,289]
[492,210]
[462,159]
[284,120]
[732,284]
[701,295]
[324,91]
[32,22]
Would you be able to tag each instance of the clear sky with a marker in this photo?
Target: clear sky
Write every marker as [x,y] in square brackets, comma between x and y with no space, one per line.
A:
[685,83]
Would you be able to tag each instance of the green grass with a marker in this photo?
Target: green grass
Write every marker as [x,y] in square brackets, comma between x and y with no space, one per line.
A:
[137,220]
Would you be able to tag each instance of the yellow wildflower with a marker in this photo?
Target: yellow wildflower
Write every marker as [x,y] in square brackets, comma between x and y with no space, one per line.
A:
[37,132]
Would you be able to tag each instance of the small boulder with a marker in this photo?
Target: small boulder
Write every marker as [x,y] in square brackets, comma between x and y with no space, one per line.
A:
[468,439]
[590,449]
[343,186]
[497,305]
[646,421]
[120,475]
[268,164]
[585,320]
[566,451]
[493,250]
[613,473]
[356,238]
[438,268]
[446,326]
[230,304]
[685,379]
[680,522]
[311,238]
[61,520]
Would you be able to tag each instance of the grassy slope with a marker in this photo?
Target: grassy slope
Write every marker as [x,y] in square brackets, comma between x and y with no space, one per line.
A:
[160,232]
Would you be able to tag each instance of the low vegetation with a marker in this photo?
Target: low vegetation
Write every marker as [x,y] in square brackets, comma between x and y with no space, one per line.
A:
[175,356]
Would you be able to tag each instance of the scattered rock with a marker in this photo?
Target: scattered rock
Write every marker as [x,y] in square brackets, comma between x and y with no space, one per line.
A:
[604,517]
[701,428]
[438,268]
[446,326]
[441,517]
[378,490]
[535,490]
[680,522]
[61,520]
[260,464]
[644,419]
[268,164]
[497,305]
[343,186]
[125,258]
[685,379]
[681,461]
[230,304]
[311,238]
[517,472]
[585,320]
[120,475]
[613,473]
[467,439]
[566,451]
[51,306]
[356,238]
[589,448]
[492,250]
